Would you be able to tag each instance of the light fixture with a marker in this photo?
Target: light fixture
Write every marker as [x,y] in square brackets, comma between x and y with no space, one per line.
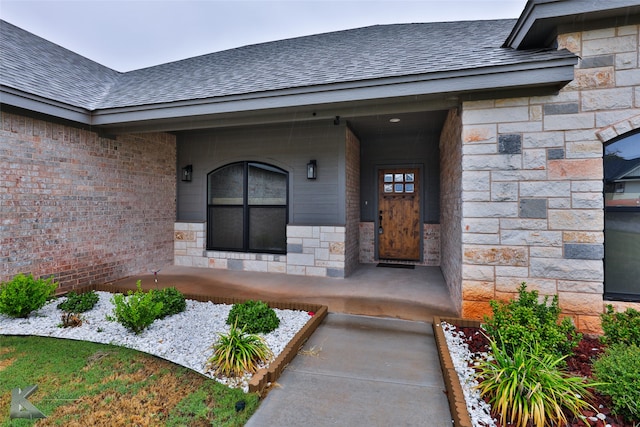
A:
[394,120]
[187,172]
[312,169]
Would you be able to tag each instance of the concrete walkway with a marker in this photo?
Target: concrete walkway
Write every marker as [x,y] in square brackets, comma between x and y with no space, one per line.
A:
[355,370]
[360,371]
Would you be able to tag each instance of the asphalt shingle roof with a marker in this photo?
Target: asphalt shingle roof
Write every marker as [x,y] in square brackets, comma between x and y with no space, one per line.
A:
[376,52]
[34,65]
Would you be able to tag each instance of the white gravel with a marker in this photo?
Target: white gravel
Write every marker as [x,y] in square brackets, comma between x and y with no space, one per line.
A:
[184,338]
[479,410]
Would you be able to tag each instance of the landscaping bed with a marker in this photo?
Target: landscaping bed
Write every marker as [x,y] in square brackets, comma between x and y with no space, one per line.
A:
[291,336]
[528,366]
[579,364]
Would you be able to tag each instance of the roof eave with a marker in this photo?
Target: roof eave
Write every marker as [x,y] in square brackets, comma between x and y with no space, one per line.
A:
[550,74]
[541,20]
[38,104]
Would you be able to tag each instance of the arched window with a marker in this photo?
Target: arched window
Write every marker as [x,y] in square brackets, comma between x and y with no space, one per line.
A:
[247,208]
[622,218]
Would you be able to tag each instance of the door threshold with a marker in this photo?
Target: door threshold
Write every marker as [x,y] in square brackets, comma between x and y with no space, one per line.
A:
[393,265]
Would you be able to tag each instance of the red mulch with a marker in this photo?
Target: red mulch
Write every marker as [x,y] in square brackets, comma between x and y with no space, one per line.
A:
[578,364]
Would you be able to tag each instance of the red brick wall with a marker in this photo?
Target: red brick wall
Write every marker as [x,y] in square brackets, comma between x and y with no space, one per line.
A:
[451,206]
[82,208]
[352,244]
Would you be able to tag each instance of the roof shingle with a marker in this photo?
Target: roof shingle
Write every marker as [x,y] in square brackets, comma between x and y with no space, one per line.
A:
[376,52]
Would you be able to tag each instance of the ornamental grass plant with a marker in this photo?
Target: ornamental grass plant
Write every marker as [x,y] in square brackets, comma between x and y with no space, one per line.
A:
[238,352]
[526,384]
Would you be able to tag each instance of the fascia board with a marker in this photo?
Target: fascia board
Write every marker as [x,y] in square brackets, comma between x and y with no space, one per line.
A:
[27,101]
[553,13]
[553,72]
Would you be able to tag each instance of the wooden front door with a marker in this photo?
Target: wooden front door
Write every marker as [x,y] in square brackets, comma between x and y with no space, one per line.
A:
[399,214]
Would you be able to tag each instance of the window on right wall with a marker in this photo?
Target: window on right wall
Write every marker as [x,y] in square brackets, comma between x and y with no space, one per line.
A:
[622,218]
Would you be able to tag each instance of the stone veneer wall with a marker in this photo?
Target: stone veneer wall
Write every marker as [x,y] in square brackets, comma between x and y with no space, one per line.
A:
[451,206]
[532,181]
[82,208]
[312,251]
[352,202]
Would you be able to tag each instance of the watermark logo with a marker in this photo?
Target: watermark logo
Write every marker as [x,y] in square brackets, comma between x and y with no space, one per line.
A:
[21,407]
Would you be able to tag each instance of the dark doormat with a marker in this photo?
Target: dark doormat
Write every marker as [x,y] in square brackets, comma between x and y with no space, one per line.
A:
[389,265]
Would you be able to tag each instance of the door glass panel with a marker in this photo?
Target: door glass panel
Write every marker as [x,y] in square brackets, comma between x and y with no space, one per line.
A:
[267,185]
[408,188]
[226,185]
[399,177]
[408,177]
[388,188]
[622,218]
[399,188]
[268,229]
[388,177]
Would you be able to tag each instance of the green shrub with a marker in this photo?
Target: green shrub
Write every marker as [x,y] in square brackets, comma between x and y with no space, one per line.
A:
[238,352]
[79,303]
[526,322]
[621,328]
[173,302]
[254,317]
[24,294]
[619,371]
[529,385]
[137,310]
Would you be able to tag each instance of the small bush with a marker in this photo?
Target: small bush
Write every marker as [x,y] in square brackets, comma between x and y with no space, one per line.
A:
[79,303]
[173,302]
[254,317]
[619,371]
[526,322]
[137,310]
[621,328]
[528,385]
[24,294]
[238,352]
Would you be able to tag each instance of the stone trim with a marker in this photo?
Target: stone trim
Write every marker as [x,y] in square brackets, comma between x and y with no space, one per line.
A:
[319,251]
[610,132]
[430,245]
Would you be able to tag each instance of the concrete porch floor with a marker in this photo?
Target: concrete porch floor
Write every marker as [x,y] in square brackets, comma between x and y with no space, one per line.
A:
[409,294]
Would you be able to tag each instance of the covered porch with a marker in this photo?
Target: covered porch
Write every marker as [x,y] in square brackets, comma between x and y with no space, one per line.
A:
[403,293]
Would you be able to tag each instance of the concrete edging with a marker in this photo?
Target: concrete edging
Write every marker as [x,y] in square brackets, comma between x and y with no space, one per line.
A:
[455,395]
[263,377]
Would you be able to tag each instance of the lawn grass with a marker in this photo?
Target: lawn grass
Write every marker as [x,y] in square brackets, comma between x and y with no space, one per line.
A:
[82,383]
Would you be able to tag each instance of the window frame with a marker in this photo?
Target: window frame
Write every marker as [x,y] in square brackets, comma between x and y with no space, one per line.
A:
[613,188]
[246,208]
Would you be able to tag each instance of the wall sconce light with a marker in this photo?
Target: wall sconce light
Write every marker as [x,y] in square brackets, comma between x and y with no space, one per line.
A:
[187,172]
[312,169]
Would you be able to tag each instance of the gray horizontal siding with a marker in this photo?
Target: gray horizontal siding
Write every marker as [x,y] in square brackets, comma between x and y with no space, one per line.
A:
[289,147]
[410,151]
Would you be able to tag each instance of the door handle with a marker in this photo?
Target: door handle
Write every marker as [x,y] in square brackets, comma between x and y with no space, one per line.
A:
[380,229]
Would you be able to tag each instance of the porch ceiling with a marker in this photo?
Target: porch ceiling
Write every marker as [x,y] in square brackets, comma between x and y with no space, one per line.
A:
[380,125]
